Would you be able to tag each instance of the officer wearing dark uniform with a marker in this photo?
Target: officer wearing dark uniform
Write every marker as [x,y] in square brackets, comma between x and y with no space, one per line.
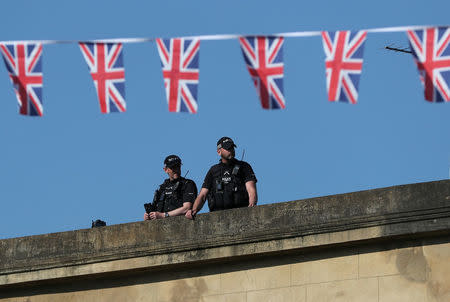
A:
[175,195]
[229,184]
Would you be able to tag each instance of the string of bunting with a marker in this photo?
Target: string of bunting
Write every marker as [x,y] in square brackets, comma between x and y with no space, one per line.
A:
[263,55]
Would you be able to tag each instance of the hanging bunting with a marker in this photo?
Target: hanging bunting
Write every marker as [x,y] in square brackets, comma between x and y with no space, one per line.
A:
[24,64]
[105,63]
[344,58]
[264,59]
[263,56]
[180,64]
[431,52]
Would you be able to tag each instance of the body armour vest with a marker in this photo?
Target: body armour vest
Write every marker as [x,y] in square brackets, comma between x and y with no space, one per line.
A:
[228,189]
[169,195]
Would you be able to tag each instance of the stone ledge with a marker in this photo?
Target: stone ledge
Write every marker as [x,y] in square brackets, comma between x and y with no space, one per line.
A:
[408,211]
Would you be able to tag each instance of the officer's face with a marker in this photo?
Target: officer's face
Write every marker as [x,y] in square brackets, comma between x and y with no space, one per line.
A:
[172,172]
[226,154]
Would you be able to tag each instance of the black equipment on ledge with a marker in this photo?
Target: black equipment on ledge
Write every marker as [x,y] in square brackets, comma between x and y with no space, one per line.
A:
[98,223]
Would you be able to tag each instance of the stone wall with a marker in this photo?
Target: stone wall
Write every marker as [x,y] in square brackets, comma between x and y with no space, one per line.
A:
[390,244]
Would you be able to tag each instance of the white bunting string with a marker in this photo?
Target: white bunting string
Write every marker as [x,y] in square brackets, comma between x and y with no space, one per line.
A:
[227,36]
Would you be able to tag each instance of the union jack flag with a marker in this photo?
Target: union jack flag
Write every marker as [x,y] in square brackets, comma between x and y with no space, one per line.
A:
[24,64]
[264,59]
[344,58]
[180,64]
[105,63]
[432,55]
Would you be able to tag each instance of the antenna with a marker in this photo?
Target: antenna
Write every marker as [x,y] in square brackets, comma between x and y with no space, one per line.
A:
[243,153]
[405,50]
[186,173]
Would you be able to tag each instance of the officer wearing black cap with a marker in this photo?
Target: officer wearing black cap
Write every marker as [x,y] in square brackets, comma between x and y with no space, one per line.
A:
[229,184]
[175,195]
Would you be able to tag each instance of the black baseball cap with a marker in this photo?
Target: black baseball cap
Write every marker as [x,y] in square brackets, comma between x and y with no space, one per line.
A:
[226,143]
[172,161]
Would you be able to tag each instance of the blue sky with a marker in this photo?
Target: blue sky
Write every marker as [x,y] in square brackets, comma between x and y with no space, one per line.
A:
[59,172]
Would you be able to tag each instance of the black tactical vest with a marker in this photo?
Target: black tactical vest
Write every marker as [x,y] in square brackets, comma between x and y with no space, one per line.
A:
[228,189]
[169,196]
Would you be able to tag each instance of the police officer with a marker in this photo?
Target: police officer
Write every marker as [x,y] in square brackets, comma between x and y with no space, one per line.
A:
[229,184]
[175,195]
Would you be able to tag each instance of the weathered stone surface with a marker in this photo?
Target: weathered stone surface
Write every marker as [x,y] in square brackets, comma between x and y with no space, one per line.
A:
[289,234]
[188,288]
[297,293]
[347,290]
[267,279]
[398,288]
[386,207]
[437,259]
[324,270]
[378,263]
[237,297]
[256,279]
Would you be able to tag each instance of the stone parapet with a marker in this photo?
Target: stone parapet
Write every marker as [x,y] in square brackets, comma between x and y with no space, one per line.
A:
[406,211]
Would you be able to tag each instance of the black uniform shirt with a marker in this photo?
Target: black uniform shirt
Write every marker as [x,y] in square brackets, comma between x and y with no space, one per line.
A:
[224,171]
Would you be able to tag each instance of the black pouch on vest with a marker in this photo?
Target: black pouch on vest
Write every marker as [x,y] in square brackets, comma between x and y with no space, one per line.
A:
[216,201]
[240,199]
[211,202]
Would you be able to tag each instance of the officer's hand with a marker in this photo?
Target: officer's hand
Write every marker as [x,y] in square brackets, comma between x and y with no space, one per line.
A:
[251,204]
[146,216]
[190,214]
[156,215]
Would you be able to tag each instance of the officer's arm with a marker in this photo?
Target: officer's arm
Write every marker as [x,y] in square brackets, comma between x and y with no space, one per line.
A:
[198,203]
[181,210]
[252,193]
